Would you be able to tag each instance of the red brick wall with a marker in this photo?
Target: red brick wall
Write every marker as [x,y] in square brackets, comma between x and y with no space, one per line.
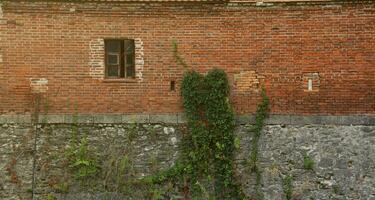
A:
[279,46]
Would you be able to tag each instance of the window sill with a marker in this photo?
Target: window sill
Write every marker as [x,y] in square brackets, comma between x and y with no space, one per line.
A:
[119,80]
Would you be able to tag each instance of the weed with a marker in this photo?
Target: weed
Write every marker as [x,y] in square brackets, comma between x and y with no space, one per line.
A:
[308,162]
[83,165]
[50,196]
[62,187]
[288,186]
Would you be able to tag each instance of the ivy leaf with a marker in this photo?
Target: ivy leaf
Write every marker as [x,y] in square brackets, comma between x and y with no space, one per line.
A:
[80,162]
[237,143]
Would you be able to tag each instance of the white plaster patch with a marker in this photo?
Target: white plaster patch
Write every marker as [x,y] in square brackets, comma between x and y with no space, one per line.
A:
[139,60]
[38,85]
[2,20]
[311,82]
[97,58]
[1,11]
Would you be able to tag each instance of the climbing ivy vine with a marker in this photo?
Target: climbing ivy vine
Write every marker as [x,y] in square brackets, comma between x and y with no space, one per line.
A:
[211,126]
[261,115]
[206,162]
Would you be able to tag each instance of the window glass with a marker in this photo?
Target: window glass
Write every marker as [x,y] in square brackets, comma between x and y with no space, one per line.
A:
[129,44]
[113,46]
[120,58]
[112,71]
[129,57]
[113,59]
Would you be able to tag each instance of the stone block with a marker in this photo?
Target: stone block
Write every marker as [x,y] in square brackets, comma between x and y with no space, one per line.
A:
[51,119]
[81,119]
[85,119]
[303,120]
[371,120]
[181,118]
[135,118]
[245,119]
[3,120]
[329,120]
[112,119]
[351,120]
[278,119]
[169,119]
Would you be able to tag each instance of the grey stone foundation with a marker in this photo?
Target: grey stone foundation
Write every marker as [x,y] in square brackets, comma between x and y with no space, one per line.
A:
[343,156]
[180,118]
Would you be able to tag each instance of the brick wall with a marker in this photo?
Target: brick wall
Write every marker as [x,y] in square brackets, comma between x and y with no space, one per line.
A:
[280,46]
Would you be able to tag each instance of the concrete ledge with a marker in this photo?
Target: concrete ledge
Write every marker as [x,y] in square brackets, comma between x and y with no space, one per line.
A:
[179,118]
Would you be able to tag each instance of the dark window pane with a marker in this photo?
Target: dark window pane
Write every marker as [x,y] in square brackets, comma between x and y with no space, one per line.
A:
[129,46]
[113,46]
[113,71]
[129,59]
[130,72]
[113,59]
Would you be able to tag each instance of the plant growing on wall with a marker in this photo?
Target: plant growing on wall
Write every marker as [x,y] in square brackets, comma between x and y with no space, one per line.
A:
[211,126]
[308,162]
[83,165]
[261,115]
[206,161]
[81,162]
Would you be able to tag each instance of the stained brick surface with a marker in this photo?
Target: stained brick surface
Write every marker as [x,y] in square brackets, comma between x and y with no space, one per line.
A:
[279,43]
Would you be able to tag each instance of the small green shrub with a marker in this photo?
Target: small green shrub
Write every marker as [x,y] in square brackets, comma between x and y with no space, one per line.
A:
[51,197]
[62,187]
[82,164]
[288,186]
[308,162]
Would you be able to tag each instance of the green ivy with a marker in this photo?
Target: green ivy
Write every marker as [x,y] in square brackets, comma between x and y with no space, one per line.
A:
[207,153]
[211,127]
[261,115]
[288,186]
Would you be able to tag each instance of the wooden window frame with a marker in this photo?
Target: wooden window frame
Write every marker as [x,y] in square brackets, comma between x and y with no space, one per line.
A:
[123,65]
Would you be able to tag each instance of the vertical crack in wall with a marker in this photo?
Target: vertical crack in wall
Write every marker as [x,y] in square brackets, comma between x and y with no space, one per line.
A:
[34,124]
[2,76]
[2,21]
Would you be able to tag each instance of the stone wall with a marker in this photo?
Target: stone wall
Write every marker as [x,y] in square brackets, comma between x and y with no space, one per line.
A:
[343,156]
[344,161]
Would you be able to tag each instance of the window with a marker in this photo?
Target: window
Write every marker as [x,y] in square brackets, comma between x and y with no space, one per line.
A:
[119,58]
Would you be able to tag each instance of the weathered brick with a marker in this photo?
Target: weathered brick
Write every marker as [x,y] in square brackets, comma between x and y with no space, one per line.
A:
[278,46]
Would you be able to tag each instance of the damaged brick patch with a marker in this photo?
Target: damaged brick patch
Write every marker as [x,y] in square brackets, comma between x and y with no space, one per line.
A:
[247,81]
